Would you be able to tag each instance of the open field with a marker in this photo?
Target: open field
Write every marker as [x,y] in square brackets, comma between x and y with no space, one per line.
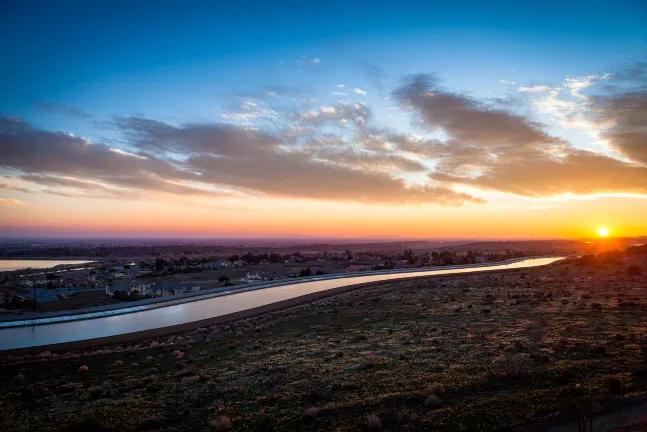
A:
[504,350]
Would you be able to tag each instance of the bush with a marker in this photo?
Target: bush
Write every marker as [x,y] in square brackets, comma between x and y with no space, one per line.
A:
[222,424]
[508,367]
[437,389]
[634,270]
[433,402]
[373,422]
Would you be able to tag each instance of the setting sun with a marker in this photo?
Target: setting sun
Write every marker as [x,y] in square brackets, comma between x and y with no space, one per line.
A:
[603,232]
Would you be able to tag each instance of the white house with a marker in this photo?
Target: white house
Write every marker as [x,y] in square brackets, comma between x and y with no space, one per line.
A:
[253,277]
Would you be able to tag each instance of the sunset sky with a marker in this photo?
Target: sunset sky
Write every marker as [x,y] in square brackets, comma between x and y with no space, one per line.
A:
[409,119]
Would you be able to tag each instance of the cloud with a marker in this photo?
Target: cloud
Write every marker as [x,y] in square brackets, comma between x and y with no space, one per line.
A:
[34,151]
[494,149]
[468,120]
[297,175]
[507,82]
[339,93]
[257,163]
[63,109]
[620,113]
[10,202]
[578,172]
[6,187]
[359,91]
[339,85]
[534,89]
[358,114]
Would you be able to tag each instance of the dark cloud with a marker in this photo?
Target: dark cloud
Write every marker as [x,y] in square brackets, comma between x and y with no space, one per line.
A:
[494,149]
[64,109]
[626,110]
[214,138]
[297,175]
[259,163]
[44,153]
[195,159]
[579,172]
[467,120]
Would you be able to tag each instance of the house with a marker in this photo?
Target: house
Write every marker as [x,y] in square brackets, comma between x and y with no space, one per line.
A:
[143,289]
[239,263]
[253,277]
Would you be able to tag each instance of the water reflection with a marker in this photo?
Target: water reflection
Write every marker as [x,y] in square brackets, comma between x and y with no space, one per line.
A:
[147,319]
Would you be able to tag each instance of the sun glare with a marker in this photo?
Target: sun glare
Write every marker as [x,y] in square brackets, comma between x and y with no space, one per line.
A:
[603,232]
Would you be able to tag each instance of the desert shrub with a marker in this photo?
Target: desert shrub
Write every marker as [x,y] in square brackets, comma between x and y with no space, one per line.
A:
[373,422]
[433,402]
[437,389]
[312,412]
[509,366]
[613,385]
[634,270]
[221,424]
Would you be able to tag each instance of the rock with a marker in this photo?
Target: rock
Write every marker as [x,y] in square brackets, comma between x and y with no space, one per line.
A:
[84,368]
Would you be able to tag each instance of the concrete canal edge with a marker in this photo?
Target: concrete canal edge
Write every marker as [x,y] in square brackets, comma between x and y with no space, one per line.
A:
[223,319]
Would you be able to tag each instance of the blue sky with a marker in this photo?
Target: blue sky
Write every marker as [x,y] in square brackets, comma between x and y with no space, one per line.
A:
[154,79]
[149,57]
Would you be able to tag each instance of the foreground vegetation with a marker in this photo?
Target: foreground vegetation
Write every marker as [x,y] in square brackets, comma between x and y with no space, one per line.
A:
[481,352]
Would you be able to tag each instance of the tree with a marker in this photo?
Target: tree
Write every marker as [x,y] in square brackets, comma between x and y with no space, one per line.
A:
[160,264]
[435,257]
[223,278]
[234,258]
[305,272]
[51,276]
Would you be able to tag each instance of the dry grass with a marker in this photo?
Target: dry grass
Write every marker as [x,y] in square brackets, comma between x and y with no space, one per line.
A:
[543,348]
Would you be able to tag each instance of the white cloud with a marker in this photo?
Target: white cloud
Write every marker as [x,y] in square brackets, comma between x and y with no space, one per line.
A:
[328,110]
[535,89]
[569,107]
[359,91]
[316,60]
[339,85]
[575,85]
[10,202]
[125,153]
[507,82]
[339,93]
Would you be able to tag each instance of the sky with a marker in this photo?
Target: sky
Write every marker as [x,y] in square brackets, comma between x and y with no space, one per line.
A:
[323,119]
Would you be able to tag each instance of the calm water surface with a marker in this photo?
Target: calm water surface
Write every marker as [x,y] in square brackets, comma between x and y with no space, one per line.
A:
[144,318]
[8,265]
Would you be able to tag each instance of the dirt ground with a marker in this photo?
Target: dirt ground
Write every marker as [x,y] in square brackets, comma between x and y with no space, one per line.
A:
[472,353]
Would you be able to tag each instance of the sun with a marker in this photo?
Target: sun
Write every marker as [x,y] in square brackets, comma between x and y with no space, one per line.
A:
[603,232]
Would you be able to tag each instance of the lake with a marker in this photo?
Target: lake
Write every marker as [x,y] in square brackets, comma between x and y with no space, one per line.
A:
[8,265]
